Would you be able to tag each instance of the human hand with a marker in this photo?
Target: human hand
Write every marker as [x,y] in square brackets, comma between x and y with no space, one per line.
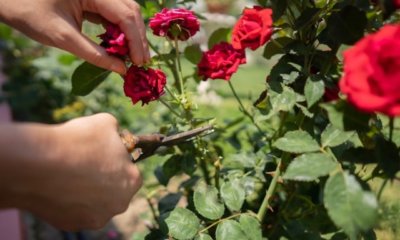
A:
[85,178]
[58,23]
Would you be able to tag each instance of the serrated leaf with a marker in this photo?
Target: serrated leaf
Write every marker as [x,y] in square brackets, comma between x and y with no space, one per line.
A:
[233,194]
[349,206]
[182,224]
[309,167]
[219,35]
[229,230]
[297,142]
[332,136]
[313,90]
[193,53]
[207,202]
[86,78]
[203,236]
[251,227]
[283,101]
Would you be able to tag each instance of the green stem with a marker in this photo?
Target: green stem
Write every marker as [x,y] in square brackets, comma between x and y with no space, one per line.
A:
[391,128]
[243,109]
[217,166]
[270,192]
[219,221]
[179,66]
[153,210]
[169,108]
[168,63]
[382,188]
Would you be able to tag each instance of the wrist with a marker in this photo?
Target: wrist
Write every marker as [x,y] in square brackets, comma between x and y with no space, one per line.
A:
[26,158]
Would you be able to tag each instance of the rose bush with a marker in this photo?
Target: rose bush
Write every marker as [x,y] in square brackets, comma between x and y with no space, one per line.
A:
[294,166]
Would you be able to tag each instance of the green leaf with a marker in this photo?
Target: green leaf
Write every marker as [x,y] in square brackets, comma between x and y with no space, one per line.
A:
[207,203]
[276,46]
[332,136]
[193,53]
[284,101]
[219,35]
[297,142]
[309,167]
[203,236]
[313,90]
[387,154]
[278,7]
[346,26]
[182,224]
[348,205]
[169,202]
[233,194]
[230,230]
[344,116]
[251,227]
[86,78]
[308,16]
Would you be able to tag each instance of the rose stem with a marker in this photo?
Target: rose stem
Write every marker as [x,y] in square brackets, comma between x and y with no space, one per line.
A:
[178,64]
[270,191]
[169,107]
[244,109]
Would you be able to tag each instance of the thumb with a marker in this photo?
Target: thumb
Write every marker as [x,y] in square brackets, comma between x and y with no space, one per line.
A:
[83,47]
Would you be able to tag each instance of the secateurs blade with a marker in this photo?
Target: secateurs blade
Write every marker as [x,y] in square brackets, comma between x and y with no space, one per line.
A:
[143,146]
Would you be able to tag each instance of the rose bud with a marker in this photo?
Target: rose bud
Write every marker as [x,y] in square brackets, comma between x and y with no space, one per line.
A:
[114,41]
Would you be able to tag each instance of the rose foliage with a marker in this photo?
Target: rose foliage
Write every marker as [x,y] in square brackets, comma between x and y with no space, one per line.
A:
[299,161]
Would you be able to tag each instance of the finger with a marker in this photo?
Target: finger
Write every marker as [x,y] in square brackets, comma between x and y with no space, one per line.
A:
[95,18]
[125,14]
[73,41]
[142,32]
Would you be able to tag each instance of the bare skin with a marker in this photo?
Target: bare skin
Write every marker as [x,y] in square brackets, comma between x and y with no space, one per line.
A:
[58,23]
[76,175]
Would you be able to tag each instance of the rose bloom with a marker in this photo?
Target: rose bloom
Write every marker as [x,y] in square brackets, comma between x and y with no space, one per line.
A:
[371,78]
[175,23]
[143,84]
[253,29]
[114,41]
[221,62]
[396,3]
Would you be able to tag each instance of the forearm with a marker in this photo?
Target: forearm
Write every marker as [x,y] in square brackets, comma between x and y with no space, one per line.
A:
[25,154]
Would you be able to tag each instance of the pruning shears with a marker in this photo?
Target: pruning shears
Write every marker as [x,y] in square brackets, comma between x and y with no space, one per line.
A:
[143,146]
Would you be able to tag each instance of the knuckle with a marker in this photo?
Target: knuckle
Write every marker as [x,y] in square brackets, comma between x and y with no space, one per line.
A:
[108,118]
[134,6]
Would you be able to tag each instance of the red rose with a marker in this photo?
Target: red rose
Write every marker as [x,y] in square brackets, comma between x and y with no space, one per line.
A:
[371,78]
[253,29]
[175,23]
[396,3]
[114,41]
[144,84]
[221,62]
